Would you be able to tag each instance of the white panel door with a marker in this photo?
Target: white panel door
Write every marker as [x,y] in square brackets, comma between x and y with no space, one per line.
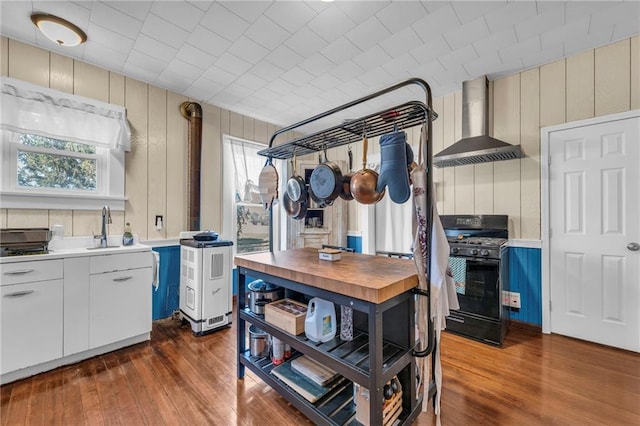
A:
[594,194]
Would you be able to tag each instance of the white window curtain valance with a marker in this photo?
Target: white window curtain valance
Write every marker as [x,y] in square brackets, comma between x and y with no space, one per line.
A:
[27,108]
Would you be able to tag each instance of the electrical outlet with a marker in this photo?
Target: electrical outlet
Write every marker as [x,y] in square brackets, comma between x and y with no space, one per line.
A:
[506,298]
[514,300]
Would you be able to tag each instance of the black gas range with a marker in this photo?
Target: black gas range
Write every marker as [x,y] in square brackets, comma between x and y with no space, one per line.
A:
[478,259]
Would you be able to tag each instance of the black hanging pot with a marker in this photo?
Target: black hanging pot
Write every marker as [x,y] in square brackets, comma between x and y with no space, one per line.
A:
[325,182]
[206,235]
[295,209]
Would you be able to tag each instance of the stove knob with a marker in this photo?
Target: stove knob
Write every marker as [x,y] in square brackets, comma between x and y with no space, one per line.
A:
[454,249]
[473,252]
[484,252]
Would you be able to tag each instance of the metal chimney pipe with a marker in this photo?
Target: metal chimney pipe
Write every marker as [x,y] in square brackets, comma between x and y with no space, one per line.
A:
[193,113]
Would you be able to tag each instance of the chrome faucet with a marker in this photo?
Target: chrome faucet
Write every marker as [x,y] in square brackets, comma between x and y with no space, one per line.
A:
[106,218]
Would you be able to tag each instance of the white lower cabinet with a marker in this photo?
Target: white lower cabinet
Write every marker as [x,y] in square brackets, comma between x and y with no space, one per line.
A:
[31,324]
[119,305]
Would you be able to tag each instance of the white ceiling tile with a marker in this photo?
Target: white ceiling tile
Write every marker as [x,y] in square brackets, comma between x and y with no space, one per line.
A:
[526,47]
[453,75]
[372,57]
[305,42]
[224,22]
[308,91]
[107,37]
[284,58]
[220,75]
[232,64]
[467,33]
[225,99]
[114,20]
[340,50]
[131,70]
[611,16]
[400,64]
[512,14]
[431,50]
[360,11]
[267,33]
[73,13]
[458,57]
[368,34]
[14,17]
[290,15]
[347,71]
[434,24]
[266,94]
[135,9]
[331,24]
[579,9]
[281,87]
[154,48]
[249,50]
[579,28]
[203,89]
[96,53]
[375,77]
[482,65]
[430,70]
[182,14]
[173,81]
[247,10]
[207,41]
[552,17]
[196,57]
[588,42]
[317,64]
[545,56]
[471,10]
[166,32]
[326,82]
[187,71]
[251,81]
[297,76]
[497,41]
[627,28]
[506,68]
[266,70]
[249,104]
[202,5]
[354,88]
[401,42]
[144,61]
[399,15]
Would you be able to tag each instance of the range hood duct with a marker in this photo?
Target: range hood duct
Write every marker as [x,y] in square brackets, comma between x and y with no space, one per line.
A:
[475,146]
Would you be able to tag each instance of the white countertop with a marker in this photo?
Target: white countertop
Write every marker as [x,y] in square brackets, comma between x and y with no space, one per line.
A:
[79,247]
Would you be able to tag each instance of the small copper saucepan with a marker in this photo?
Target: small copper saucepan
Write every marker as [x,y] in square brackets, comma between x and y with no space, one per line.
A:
[364,182]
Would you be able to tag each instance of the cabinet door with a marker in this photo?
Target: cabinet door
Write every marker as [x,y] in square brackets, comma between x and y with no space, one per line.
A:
[31,324]
[119,306]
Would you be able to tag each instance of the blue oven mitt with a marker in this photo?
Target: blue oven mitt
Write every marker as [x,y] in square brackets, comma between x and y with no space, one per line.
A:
[393,167]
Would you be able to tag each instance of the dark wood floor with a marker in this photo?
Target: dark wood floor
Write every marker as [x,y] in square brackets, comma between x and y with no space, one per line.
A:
[181,379]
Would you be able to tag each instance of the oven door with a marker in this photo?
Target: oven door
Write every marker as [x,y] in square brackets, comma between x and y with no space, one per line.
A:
[477,285]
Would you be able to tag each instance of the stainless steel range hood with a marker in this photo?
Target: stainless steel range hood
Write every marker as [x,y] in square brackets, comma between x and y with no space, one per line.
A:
[475,146]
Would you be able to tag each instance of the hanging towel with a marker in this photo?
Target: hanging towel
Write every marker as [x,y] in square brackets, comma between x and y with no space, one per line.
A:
[155,282]
[442,287]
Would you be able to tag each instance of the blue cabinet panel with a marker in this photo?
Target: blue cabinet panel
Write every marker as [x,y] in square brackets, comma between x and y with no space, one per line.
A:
[525,278]
[166,297]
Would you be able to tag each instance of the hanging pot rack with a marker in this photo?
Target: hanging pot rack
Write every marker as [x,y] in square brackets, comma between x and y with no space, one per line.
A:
[403,116]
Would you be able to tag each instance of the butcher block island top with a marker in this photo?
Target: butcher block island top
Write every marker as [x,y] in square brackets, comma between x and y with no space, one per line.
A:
[366,277]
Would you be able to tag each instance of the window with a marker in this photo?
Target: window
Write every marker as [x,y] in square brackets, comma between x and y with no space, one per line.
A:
[244,218]
[60,150]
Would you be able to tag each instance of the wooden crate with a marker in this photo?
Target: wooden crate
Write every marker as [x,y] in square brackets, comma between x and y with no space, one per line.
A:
[391,408]
[286,314]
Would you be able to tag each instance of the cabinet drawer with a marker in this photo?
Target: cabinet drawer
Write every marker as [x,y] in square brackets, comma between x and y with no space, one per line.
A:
[27,272]
[120,262]
[31,324]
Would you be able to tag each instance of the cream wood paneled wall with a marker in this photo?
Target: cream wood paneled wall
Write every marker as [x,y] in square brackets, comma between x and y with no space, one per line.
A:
[155,182]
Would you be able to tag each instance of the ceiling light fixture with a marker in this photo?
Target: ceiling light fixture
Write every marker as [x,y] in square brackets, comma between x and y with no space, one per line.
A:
[58,30]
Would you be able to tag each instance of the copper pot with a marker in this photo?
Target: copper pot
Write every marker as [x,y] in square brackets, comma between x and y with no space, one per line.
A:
[363,183]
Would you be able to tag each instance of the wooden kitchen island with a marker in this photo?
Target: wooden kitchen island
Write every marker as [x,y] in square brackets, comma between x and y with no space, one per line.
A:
[380,291]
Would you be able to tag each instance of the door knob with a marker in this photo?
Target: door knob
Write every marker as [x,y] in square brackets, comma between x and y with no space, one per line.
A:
[633,246]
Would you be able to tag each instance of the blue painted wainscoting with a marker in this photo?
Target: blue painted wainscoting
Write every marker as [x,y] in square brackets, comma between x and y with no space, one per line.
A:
[525,277]
[166,299]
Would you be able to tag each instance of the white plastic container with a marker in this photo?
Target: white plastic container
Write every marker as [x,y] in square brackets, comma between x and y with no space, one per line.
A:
[320,322]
